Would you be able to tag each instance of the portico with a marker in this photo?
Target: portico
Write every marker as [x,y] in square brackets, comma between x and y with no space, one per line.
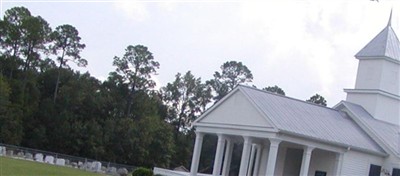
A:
[269,156]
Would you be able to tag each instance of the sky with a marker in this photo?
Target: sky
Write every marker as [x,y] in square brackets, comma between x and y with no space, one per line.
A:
[303,46]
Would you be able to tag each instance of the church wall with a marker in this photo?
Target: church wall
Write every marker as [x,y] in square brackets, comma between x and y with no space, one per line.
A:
[322,161]
[367,101]
[357,163]
[391,78]
[388,109]
[369,74]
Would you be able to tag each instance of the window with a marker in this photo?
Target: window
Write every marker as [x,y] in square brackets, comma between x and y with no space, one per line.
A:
[320,173]
[396,172]
[374,170]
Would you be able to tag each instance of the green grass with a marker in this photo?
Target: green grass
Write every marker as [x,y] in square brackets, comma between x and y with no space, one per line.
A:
[17,167]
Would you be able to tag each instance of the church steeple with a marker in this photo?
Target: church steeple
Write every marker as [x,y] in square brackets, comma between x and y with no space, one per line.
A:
[377,86]
[385,44]
[390,18]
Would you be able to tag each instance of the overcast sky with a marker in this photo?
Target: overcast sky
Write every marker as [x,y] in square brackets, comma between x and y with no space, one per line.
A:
[304,47]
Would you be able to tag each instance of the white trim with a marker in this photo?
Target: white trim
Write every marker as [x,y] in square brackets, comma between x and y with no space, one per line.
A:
[236,126]
[378,58]
[373,91]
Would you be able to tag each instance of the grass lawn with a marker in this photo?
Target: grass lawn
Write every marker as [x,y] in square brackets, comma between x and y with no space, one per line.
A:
[17,167]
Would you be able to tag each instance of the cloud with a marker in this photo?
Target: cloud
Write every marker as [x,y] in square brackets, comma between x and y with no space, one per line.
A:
[132,9]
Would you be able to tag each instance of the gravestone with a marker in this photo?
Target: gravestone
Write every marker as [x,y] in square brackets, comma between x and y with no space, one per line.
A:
[112,171]
[39,157]
[49,159]
[103,169]
[88,166]
[20,154]
[10,153]
[28,156]
[74,164]
[67,162]
[60,162]
[96,166]
[122,171]
[1,150]
[4,151]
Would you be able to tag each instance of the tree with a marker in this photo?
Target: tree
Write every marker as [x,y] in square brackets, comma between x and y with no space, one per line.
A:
[24,34]
[187,98]
[317,99]
[274,89]
[136,68]
[232,74]
[67,42]
[11,130]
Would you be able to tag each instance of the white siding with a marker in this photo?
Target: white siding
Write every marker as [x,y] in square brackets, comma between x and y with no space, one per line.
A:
[322,161]
[356,163]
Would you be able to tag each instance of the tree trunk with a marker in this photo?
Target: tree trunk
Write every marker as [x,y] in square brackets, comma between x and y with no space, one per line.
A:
[58,77]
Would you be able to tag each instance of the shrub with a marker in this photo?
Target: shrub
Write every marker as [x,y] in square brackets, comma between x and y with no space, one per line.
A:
[141,171]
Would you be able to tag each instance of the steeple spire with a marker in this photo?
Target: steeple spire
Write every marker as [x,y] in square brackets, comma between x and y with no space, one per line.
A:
[390,18]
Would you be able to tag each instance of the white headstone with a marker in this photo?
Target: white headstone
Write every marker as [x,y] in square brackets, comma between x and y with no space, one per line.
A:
[28,156]
[39,157]
[112,171]
[96,166]
[60,162]
[10,152]
[1,150]
[4,150]
[49,159]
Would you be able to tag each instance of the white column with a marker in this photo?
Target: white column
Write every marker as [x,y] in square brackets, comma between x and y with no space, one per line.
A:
[339,161]
[244,162]
[196,154]
[228,157]
[218,155]
[273,153]
[252,154]
[305,164]
[264,158]
[258,158]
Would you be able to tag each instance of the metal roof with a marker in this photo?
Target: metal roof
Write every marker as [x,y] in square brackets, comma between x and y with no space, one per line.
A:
[310,120]
[385,44]
[387,132]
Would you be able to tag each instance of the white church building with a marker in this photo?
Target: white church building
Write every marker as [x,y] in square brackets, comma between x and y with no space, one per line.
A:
[285,136]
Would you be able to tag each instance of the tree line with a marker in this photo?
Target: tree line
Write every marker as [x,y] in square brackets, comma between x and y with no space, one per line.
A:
[45,104]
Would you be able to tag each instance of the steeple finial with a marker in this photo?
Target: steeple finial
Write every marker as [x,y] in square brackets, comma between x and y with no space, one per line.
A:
[390,18]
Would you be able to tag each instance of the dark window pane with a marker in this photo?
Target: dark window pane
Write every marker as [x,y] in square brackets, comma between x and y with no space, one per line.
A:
[374,170]
[396,172]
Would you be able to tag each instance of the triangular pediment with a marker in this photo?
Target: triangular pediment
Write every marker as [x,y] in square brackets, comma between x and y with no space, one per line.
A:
[236,110]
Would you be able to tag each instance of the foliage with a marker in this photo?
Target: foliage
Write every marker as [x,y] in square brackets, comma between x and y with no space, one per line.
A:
[67,41]
[232,74]
[136,68]
[187,98]
[141,171]
[317,99]
[274,89]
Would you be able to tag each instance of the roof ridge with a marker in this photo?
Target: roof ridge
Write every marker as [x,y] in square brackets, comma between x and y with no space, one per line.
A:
[284,96]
